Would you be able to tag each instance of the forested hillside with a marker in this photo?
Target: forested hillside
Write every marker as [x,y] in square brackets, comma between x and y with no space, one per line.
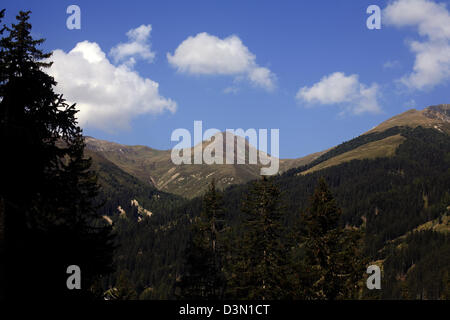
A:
[386,198]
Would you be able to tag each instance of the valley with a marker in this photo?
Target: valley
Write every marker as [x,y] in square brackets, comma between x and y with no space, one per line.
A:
[392,182]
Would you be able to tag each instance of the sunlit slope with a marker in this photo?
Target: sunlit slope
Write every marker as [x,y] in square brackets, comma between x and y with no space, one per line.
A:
[383,140]
[155,167]
[437,117]
[377,149]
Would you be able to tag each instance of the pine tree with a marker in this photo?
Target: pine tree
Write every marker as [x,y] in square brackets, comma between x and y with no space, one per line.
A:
[47,188]
[204,277]
[258,266]
[333,262]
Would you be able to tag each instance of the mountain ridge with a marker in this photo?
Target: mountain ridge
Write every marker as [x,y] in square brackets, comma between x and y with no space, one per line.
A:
[155,168]
[435,116]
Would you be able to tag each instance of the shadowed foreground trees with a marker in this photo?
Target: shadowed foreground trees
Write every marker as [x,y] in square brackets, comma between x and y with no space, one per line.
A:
[258,265]
[204,277]
[333,260]
[267,260]
[47,188]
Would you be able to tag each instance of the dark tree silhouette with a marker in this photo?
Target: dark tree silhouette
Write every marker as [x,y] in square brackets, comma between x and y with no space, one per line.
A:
[259,263]
[333,262]
[47,189]
[204,277]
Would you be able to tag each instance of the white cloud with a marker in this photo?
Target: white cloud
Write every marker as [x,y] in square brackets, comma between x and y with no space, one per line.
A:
[432,21]
[208,54]
[107,96]
[339,89]
[262,77]
[137,46]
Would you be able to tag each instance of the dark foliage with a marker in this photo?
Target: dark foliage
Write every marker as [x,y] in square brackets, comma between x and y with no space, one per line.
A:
[204,277]
[332,263]
[259,257]
[47,190]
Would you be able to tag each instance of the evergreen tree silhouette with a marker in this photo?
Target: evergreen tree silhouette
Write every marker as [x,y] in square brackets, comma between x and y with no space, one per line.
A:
[333,262]
[204,277]
[259,264]
[47,190]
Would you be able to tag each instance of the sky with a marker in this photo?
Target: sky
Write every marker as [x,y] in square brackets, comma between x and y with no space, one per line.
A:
[138,70]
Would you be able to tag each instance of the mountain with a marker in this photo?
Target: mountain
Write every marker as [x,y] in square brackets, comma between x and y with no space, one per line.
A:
[142,173]
[155,167]
[437,117]
[123,193]
[392,181]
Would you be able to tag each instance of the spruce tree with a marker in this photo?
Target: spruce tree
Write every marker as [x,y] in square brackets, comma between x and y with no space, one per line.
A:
[259,262]
[333,263]
[47,189]
[204,277]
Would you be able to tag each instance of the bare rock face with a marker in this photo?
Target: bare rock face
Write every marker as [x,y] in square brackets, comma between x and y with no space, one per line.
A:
[440,112]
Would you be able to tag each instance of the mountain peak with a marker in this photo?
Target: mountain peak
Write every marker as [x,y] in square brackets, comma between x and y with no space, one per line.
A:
[101,145]
[156,168]
[437,117]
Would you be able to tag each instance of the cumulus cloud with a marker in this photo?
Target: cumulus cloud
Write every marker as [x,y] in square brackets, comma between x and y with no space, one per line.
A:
[208,54]
[339,89]
[137,46]
[432,55]
[107,96]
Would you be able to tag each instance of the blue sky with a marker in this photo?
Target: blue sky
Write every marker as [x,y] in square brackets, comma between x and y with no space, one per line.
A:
[320,46]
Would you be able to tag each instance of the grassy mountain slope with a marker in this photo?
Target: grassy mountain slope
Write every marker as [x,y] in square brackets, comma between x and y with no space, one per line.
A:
[155,167]
[437,117]
[377,149]
[383,140]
